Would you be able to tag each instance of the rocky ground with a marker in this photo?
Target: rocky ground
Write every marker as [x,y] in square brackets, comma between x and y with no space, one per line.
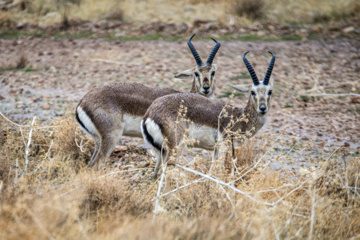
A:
[46,77]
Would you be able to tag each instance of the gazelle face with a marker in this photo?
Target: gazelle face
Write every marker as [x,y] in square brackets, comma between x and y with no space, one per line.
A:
[204,79]
[261,96]
[203,74]
[261,90]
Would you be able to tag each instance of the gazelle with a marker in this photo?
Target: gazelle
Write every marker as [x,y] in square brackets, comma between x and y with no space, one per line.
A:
[206,119]
[111,111]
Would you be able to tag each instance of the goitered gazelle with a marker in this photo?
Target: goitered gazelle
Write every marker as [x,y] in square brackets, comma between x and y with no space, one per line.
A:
[111,111]
[206,120]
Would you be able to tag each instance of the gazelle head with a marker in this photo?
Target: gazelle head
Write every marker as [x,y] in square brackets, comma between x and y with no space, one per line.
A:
[260,91]
[203,74]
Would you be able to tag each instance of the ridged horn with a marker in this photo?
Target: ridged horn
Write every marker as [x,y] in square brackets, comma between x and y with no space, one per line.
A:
[251,70]
[213,52]
[269,70]
[194,52]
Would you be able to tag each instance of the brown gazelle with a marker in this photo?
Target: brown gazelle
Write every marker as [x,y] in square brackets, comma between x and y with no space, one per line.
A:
[111,111]
[207,120]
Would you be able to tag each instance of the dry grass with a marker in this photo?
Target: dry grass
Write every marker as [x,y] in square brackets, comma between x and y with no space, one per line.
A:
[242,12]
[59,197]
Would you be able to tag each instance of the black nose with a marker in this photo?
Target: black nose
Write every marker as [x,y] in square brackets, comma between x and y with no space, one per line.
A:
[262,108]
[206,88]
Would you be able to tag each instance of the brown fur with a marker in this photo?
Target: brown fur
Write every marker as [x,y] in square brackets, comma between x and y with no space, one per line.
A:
[164,112]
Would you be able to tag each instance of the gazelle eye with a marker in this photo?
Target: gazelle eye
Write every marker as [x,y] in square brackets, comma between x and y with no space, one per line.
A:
[196,75]
[270,92]
[253,93]
[212,74]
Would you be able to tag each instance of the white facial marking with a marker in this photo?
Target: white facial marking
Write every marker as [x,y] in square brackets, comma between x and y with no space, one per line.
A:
[261,93]
[85,119]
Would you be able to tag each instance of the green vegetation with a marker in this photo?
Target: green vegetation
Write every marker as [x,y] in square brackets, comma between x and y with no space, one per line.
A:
[254,38]
[243,75]
[227,94]
[15,34]
[304,98]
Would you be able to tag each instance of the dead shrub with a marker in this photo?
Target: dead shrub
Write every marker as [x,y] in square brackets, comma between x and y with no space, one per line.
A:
[252,9]
[22,61]
[116,14]
[106,195]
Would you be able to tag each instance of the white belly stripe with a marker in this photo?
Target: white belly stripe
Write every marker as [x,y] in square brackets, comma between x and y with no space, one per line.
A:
[132,126]
[205,135]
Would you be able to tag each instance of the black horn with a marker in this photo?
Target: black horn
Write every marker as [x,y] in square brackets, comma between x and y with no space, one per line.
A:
[269,70]
[251,70]
[213,52]
[194,52]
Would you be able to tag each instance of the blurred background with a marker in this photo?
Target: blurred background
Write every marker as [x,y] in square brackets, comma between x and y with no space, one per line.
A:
[170,17]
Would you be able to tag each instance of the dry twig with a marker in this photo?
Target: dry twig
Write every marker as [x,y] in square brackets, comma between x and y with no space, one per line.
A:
[28,147]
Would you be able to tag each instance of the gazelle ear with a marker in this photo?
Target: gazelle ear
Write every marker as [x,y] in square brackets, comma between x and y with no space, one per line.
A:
[189,73]
[241,88]
[214,67]
[271,82]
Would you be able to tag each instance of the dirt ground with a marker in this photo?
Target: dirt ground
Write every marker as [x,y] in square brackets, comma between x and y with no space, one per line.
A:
[58,72]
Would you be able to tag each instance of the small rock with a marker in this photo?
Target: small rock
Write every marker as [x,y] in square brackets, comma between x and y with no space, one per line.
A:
[53,69]
[46,106]
[121,148]
[319,134]
[355,99]
[2,97]
[346,144]
[349,29]
[271,28]
[188,9]
[322,144]
[305,138]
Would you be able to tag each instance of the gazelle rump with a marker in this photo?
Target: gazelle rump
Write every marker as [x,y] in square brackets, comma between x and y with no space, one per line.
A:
[206,119]
[111,111]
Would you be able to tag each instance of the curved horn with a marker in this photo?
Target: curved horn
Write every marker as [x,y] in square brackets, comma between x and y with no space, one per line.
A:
[251,70]
[194,52]
[269,70]
[213,52]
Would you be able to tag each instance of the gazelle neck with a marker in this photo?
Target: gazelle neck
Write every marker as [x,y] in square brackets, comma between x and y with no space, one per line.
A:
[256,119]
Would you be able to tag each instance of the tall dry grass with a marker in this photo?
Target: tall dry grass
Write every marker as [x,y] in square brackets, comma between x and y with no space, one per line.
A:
[242,12]
[59,197]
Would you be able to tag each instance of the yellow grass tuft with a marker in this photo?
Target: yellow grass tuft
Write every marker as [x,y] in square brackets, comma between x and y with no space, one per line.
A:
[241,12]
[59,197]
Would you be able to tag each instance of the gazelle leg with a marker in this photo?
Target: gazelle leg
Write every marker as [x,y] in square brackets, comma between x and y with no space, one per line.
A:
[161,157]
[105,146]
[95,153]
[215,154]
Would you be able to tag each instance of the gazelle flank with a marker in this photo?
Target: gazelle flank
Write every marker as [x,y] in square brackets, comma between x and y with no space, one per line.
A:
[207,120]
[111,111]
